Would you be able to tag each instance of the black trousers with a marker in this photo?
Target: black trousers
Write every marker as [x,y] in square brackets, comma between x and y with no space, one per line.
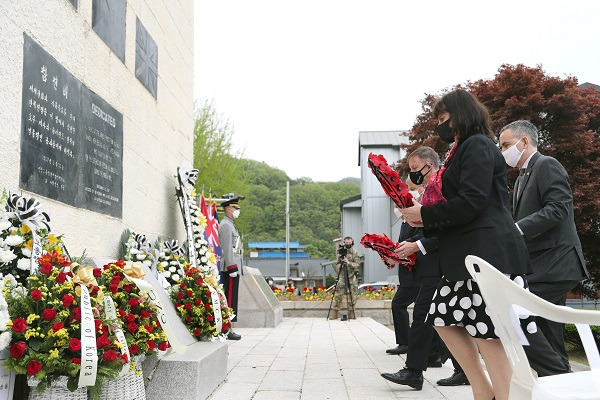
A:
[422,338]
[405,295]
[546,353]
[230,287]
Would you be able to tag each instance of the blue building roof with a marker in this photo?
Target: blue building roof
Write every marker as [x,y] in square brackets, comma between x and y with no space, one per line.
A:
[281,254]
[274,245]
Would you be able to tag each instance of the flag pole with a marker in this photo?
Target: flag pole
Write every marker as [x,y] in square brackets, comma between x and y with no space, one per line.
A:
[287,231]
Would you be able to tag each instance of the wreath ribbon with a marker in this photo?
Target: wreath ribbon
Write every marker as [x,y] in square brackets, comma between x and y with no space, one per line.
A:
[216,302]
[27,210]
[183,176]
[110,312]
[177,346]
[85,275]
[141,242]
[89,351]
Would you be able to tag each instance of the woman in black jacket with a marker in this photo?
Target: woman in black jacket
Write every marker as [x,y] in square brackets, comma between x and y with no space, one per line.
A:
[466,203]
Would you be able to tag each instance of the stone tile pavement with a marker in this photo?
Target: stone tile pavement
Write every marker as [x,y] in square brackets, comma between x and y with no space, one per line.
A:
[312,358]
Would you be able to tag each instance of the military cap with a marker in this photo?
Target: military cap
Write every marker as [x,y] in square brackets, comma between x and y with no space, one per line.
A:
[231,199]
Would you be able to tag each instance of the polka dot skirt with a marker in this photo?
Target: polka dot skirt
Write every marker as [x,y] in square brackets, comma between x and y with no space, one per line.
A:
[460,304]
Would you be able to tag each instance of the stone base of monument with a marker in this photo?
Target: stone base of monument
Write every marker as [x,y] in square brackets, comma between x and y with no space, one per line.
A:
[186,376]
[257,305]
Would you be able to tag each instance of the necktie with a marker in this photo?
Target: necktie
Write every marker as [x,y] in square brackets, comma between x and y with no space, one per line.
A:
[519,181]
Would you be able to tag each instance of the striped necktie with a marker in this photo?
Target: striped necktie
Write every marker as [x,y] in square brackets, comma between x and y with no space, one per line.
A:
[520,181]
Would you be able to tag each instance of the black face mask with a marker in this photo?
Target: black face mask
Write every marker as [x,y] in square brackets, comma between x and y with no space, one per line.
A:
[348,246]
[445,132]
[417,177]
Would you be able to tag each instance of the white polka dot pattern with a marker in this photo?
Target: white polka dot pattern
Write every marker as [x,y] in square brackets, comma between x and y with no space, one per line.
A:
[471,329]
[458,315]
[465,302]
[482,327]
[444,291]
[442,308]
[461,304]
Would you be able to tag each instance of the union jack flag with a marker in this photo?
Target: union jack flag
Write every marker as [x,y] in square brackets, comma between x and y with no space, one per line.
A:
[211,233]
[215,220]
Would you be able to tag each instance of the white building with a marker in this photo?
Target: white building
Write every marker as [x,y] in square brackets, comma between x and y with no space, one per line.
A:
[97,114]
[372,211]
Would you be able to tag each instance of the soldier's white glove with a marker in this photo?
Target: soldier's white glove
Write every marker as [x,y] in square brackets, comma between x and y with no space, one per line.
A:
[233,274]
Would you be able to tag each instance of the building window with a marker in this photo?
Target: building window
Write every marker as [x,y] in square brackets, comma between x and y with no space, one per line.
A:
[108,21]
[146,59]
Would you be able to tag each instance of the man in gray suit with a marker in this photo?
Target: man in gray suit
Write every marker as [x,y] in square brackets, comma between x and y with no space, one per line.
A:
[543,211]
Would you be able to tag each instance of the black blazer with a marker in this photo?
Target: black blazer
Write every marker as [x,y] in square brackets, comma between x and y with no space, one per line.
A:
[544,212]
[476,218]
[426,265]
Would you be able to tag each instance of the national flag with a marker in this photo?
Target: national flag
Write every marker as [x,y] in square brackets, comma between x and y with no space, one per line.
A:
[204,211]
[214,222]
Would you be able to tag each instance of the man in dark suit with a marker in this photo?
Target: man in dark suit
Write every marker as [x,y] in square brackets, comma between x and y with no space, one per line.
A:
[423,344]
[543,211]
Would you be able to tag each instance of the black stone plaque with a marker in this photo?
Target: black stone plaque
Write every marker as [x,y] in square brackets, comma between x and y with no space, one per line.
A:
[71,139]
[108,21]
[146,59]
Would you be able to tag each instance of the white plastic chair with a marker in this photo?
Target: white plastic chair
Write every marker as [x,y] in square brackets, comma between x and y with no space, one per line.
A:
[506,300]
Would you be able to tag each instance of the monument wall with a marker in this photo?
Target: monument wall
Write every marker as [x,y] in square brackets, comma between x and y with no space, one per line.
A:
[97,113]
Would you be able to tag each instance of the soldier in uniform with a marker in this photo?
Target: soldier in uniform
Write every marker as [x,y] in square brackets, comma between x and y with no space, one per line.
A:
[231,261]
[352,260]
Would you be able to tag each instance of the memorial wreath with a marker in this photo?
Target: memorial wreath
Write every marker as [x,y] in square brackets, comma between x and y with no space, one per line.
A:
[48,319]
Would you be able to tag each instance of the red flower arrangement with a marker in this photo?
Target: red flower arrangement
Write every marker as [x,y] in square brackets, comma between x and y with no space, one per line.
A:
[390,181]
[194,304]
[137,313]
[46,326]
[385,247]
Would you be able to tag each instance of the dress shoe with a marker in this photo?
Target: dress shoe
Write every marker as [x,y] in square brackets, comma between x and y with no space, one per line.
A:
[458,378]
[400,349]
[233,336]
[435,363]
[406,376]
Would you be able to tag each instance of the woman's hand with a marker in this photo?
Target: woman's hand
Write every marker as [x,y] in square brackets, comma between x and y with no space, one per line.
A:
[413,214]
[405,249]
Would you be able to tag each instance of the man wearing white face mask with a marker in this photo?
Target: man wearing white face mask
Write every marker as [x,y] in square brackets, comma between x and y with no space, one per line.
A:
[543,211]
[231,261]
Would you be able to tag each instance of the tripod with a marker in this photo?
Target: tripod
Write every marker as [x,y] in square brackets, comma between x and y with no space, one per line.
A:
[347,291]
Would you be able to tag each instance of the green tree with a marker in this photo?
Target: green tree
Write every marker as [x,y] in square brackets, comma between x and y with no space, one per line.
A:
[219,166]
[260,173]
[568,118]
[314,207]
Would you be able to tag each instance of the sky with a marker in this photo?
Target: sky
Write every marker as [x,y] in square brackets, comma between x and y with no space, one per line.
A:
[298,80]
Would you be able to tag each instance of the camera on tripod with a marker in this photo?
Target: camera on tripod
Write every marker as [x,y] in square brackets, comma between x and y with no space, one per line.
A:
[342,251]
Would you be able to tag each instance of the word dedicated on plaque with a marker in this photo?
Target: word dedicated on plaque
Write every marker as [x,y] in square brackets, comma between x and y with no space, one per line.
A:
[71,139]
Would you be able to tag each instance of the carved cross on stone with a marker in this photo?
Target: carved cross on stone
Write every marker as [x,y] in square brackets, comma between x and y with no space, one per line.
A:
[146,59]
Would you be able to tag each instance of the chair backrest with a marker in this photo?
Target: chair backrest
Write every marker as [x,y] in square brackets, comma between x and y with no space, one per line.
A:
[500,294]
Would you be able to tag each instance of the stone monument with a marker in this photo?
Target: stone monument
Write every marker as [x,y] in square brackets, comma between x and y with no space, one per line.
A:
[258,307]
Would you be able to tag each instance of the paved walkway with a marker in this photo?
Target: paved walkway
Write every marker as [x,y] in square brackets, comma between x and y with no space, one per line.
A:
[310,358]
